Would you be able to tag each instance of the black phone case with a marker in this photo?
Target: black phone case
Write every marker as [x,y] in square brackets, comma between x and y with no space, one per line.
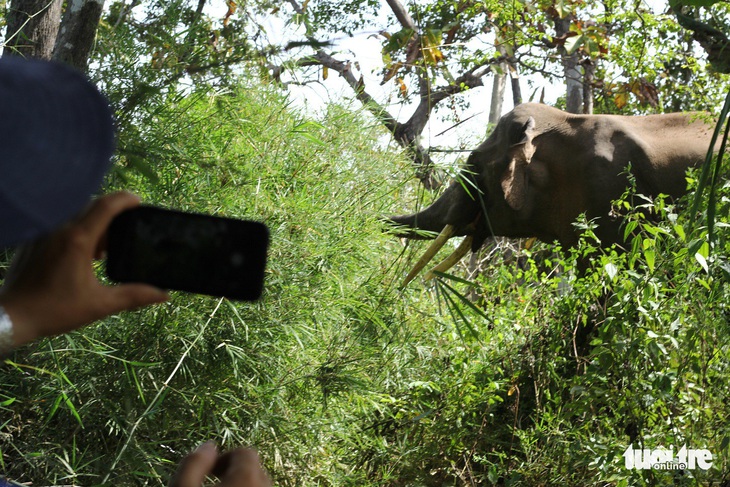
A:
[190,252]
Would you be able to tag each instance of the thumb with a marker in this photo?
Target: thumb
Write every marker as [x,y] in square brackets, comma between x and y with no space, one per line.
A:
[241,468]
[195,467]
[133,296]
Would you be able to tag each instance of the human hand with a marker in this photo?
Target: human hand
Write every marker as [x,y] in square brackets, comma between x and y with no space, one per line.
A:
[51,286]
[236,468]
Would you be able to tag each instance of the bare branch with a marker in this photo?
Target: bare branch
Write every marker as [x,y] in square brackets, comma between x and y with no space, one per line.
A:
[712,40]
[402,15]
[357,85]
[405,134]
[422,160]
[297,8]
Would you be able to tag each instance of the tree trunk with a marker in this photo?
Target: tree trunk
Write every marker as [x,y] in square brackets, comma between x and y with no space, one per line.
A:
[515,83]
[78,30]
[498,88]
[571,69]
[574,86]
[32,27]
[588,76]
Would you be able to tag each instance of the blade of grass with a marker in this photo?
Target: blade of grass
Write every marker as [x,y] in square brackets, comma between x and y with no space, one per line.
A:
[463,298]
[712,199]
[162,390]
[706,167]
[455,306]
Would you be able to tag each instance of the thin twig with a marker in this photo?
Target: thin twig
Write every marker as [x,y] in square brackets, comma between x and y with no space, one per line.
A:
[164,387]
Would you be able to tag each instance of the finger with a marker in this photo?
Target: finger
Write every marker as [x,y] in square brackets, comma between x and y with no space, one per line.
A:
[102,211]
[195,467]
[101,245]
[22,260]
[241,468]
[132,296]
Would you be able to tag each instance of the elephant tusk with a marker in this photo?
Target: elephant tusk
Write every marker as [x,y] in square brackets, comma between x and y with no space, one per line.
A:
[439,242]
[452,259]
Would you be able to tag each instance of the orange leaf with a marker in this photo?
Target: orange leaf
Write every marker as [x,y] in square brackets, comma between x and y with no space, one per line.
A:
[232,6]
[402,88]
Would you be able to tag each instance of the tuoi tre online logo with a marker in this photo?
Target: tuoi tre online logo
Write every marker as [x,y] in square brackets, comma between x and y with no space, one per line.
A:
[664,459]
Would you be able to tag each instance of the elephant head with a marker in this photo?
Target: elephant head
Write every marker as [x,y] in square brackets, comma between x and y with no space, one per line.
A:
[541,168]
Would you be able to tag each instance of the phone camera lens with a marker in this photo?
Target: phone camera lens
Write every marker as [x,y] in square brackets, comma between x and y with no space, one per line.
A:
[237,259]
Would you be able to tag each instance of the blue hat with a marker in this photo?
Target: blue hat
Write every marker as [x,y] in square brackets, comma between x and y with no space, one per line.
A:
[56,142]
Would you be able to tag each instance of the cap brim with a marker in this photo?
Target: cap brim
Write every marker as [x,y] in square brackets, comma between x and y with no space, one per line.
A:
[56,143]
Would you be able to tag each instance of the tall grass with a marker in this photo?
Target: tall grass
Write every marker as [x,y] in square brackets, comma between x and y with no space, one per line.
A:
[121,401]
[523,376]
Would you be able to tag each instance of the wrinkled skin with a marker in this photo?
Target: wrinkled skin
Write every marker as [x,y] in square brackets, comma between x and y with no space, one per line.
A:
[541,168]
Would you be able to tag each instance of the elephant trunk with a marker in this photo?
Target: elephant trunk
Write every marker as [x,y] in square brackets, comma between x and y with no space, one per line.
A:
[454,207]
[454,213]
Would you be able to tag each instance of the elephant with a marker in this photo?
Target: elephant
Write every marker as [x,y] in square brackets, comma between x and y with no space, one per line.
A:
[541,168]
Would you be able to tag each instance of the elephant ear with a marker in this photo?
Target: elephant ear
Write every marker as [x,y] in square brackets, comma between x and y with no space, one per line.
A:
[515,178]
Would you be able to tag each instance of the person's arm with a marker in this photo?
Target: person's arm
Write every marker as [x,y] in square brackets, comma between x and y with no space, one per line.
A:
[236,468]
[51,286]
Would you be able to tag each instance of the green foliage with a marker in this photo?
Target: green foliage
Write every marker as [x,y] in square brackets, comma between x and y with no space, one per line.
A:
[641,58]
[541,371]
[120,402]
[147,50]
[337,17]
[713,165]
[707,21]
[596,352]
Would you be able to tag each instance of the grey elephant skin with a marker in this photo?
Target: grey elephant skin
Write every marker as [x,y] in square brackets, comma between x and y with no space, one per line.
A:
[541,168]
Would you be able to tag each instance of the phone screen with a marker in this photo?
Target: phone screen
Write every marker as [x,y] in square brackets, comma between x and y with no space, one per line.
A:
[188,252]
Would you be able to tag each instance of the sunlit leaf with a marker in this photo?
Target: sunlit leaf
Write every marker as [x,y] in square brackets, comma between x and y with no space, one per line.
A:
[702,261]
[572,44]
[650,256]
[611,270]
[430,45]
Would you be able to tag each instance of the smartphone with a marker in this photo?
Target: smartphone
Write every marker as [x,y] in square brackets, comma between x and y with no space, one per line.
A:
[191,252]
